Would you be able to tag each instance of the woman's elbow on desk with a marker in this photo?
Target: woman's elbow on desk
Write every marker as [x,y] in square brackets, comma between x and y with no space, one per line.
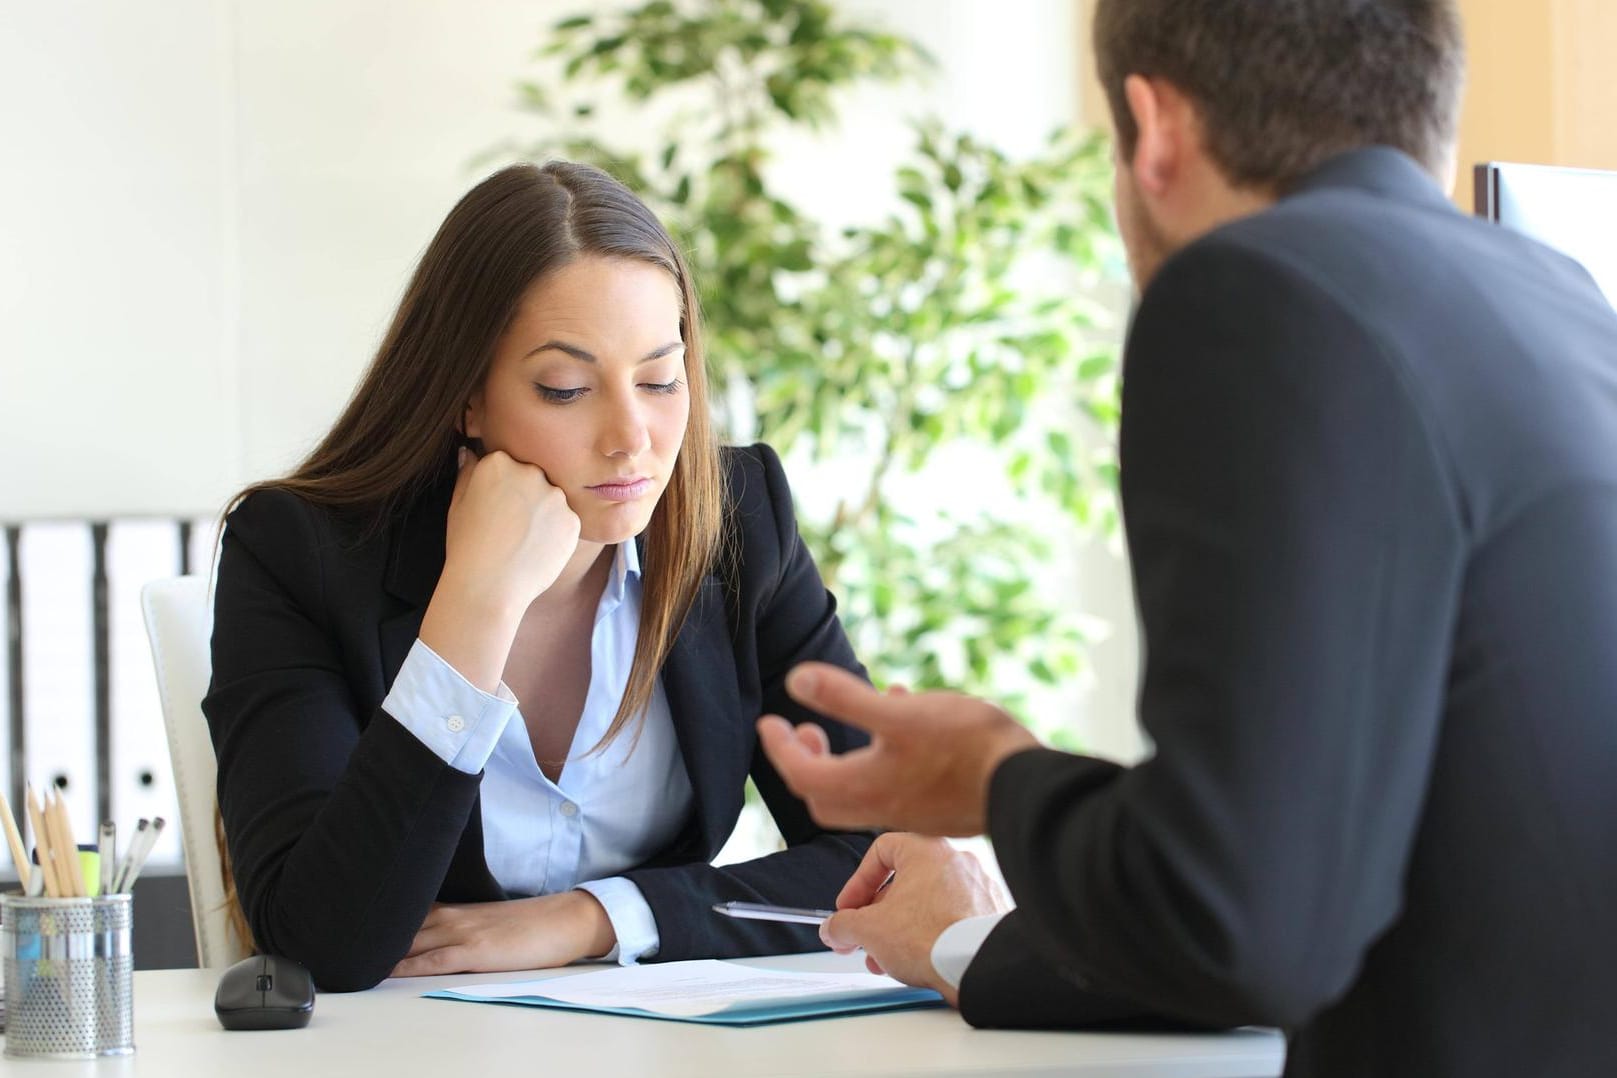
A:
[347,980]
[335,965]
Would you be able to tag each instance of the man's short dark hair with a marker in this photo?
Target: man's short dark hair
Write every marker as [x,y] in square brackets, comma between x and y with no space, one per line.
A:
[1283,85]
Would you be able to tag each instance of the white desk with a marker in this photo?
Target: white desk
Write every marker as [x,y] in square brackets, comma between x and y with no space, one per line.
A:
[389,1032]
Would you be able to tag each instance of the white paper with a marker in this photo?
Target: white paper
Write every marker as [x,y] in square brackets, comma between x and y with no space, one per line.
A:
[704,986]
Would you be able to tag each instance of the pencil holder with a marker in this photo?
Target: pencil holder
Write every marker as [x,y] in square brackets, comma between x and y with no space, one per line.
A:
[69,966]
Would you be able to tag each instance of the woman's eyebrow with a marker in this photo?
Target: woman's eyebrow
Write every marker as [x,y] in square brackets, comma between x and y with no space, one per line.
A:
[587,357]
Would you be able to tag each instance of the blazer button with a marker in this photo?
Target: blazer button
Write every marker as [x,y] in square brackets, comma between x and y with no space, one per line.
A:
[456,724]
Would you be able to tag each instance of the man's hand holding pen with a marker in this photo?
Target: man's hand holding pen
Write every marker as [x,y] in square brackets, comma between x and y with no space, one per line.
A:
[905,893]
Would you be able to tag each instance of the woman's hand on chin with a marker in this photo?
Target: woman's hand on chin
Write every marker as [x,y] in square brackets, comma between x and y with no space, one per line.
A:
[509,534]
[524,933]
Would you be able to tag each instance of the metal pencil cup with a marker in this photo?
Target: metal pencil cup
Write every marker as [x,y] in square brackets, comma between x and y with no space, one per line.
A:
[70,965]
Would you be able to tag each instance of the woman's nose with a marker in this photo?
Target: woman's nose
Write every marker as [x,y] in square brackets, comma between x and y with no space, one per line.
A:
[626,433]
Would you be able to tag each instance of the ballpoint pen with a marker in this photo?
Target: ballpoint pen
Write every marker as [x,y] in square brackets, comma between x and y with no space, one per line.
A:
[139,850]
[758,911]
[129,852]
[109,855]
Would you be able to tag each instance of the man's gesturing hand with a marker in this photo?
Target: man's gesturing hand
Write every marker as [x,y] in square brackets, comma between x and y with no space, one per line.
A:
[926,768]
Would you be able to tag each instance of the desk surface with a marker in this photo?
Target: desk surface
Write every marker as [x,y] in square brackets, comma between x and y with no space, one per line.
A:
[391,1031]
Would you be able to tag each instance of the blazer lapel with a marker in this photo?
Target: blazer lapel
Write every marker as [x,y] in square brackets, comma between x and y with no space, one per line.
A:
[414,565]
[699,679]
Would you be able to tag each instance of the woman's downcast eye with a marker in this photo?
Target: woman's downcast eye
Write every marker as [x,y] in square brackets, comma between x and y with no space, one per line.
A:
[556,395]
[560,395]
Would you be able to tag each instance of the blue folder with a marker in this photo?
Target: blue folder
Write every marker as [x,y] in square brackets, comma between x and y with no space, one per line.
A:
[749,1013]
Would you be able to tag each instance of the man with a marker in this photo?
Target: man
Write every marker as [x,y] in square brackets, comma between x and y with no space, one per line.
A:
[1369,476]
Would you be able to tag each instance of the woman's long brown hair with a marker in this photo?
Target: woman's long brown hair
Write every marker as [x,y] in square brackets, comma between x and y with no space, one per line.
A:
[399,432]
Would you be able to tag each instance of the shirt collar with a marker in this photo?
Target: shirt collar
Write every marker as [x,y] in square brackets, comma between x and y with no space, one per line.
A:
[627,561]
[625,567]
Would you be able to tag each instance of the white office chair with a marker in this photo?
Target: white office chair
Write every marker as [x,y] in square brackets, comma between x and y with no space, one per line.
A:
[179,621]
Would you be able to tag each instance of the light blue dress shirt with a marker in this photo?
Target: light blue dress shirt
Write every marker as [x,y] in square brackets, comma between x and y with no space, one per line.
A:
[607,812]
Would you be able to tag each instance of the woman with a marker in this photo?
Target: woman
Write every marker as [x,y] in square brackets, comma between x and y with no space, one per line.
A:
[486,664]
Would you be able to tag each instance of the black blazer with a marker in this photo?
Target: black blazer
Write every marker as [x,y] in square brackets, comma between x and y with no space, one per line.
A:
[343,828]
[1369,473]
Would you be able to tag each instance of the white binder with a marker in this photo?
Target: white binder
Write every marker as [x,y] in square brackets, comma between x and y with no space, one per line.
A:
[59,667]
[142,780]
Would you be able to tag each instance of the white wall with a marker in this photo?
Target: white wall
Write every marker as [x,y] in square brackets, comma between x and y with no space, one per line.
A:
[209,207]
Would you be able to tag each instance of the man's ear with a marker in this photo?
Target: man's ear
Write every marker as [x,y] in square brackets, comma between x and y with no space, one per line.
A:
[1156,149]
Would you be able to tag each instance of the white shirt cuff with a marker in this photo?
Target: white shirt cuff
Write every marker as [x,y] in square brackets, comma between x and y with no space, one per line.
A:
[958,944]
[631,919]
[459,722]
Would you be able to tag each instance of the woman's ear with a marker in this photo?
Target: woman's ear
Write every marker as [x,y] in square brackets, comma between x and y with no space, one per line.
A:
[471,416]
[469,431]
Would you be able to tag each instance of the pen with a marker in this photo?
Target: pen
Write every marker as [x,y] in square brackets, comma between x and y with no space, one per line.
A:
[109,858]
[138,852]
[758,911]
[135,840]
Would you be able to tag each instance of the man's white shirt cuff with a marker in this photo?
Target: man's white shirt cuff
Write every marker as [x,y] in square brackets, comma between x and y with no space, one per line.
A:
[958,944]
[459,722]
[631,919]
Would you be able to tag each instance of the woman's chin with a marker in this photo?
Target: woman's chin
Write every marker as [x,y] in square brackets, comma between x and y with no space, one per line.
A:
[613,527]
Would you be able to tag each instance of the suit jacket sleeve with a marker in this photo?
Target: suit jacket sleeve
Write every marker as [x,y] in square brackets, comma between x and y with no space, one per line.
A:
[790,618]
[1014,983]
[1296,548]
[341,830]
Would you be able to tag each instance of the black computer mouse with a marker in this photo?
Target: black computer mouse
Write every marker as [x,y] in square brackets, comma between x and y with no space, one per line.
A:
[265,991]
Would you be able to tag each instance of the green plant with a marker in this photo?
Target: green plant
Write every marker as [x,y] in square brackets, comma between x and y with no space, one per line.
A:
[960,318]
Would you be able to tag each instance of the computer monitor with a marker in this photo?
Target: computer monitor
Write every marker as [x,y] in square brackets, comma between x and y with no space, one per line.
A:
[1573,210]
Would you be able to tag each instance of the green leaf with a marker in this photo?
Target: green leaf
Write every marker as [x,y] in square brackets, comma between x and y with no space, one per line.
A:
[920,199]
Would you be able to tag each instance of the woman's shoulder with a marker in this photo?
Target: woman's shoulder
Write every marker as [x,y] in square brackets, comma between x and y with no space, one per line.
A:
[273,513]
[278,522]
[320,557]
[761,530]
[755,478]
[277,511]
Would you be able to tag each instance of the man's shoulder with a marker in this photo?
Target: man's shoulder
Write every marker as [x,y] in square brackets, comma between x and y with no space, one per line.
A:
[1388,257]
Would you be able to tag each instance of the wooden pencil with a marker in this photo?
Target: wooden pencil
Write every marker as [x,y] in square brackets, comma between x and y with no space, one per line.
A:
[53,824]
[68,850]
[42,845]
[19,852]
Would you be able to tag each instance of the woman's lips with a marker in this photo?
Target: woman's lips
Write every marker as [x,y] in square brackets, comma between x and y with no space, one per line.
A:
[622,491]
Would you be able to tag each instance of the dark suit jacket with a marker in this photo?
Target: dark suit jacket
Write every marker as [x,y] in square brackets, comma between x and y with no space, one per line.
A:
[1369,473]
[344,829]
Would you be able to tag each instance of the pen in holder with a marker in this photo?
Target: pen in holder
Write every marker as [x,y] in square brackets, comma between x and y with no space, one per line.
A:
[69,965]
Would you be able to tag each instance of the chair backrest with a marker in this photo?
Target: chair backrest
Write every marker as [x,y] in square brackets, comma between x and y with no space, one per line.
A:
[179,622]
